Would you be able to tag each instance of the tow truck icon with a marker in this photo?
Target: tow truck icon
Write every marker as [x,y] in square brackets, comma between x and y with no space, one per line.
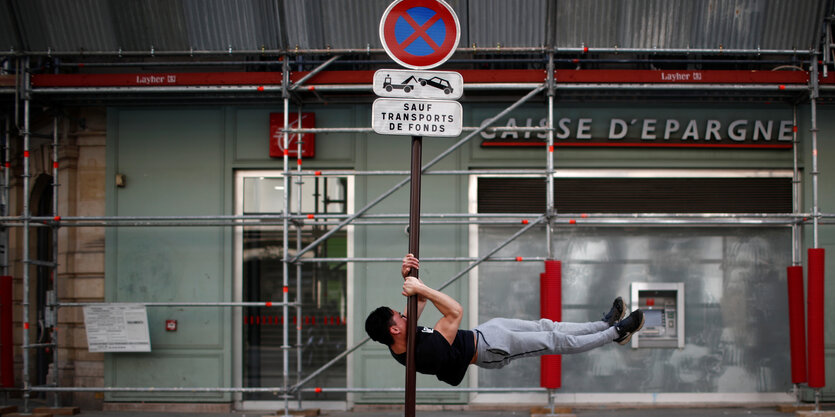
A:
[406,85]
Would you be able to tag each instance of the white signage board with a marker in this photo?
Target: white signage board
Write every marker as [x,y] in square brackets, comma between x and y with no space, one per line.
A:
[117,327]
[438,118]
[397,83]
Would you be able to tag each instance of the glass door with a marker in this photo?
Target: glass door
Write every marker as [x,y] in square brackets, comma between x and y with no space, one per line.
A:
[318,330]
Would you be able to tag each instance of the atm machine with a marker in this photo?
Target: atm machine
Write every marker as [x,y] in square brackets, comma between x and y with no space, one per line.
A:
[663,306]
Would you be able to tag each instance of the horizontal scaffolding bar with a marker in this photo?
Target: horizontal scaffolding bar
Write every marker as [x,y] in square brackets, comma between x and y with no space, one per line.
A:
[277,89]
[439,389]
[278,390]
[275,390]
[266,223]
[577,220]
[566,60]
[371,130]
[798,216]
[253,219]
[40,263]
[593,86]
[541,172]
[39,345]
[141,218]
[473,49]
[187,304]
[253,88]
[423,259]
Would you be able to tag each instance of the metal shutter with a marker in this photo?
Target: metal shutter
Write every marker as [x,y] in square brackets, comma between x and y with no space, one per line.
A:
[637,195]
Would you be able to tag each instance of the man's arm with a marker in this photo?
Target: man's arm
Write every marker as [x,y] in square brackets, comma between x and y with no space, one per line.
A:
[451,310]
[409,262]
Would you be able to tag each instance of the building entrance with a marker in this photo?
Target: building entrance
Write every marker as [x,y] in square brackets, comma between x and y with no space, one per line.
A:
[316,330]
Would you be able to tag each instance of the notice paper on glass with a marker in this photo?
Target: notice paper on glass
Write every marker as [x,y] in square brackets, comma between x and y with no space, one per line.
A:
[117,327]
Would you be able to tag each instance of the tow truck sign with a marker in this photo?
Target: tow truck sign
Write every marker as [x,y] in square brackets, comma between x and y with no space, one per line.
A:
[446,85]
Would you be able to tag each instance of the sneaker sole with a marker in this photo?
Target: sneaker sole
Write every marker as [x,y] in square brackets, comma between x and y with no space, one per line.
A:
[629,335]
[622,312]
[621,316]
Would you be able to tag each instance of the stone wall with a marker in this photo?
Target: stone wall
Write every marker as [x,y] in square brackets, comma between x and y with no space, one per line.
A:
[81,250]
[80,272]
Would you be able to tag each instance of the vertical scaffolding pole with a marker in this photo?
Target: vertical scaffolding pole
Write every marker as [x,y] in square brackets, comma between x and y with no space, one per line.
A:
[285,346]
[796,248]
[796,230]
[299,183]
[53,300]
[814,108]
[4,210]
[26,217]
[549,189]
[7,336]
[815,214]
[414,249]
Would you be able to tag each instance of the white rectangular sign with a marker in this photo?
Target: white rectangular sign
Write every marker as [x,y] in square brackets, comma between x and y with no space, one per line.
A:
[117,327]
[440,118]
[446,85]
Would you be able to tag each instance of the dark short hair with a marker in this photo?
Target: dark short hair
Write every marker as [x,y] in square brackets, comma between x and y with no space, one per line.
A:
[378,323]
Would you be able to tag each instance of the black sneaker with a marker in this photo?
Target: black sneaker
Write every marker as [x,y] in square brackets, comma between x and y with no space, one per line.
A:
[616,313]
[629,326]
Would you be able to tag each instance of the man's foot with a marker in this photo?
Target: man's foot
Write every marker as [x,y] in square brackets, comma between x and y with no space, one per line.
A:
[616,313]
[629,326]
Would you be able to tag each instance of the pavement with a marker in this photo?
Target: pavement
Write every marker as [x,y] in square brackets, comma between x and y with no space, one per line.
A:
[428,411]
[637,412]
[656,412]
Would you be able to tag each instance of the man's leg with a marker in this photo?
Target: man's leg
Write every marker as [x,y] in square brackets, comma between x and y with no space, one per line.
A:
[502,340]
[609,319]
[546,325]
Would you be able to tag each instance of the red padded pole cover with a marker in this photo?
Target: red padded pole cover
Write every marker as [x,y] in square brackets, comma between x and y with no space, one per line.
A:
[817,365]
[6,335]
[797,324]
[550,305]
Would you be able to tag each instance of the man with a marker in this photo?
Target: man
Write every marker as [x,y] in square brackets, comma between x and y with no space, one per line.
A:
[446,352]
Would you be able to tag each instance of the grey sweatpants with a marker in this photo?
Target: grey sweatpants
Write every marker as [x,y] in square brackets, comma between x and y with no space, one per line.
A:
[503,340]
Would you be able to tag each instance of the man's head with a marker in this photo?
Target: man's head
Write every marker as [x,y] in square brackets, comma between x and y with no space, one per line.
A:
[378,325]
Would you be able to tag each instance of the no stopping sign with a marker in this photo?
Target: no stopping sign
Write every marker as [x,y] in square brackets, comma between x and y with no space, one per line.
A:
[419,34]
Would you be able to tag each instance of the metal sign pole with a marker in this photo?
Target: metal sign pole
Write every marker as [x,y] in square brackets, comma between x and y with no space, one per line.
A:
[445,113]
[414,249]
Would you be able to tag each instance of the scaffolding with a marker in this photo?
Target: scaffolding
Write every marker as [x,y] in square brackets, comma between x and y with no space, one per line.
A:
[293,217]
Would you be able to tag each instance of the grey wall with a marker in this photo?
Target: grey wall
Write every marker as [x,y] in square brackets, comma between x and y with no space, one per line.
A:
[174,164]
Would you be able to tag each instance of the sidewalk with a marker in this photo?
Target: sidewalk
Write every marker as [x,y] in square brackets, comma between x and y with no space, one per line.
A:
[584,412]
[428,411]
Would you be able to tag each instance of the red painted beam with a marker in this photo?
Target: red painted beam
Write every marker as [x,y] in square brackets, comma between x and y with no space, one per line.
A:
[682,76]
[156,79]
[470,76]
[550,307]
[6,334]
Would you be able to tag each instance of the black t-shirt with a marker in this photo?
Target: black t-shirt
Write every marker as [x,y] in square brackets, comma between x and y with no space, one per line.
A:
[435,356]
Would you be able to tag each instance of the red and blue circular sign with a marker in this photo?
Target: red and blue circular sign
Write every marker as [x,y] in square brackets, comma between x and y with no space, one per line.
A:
[420,34]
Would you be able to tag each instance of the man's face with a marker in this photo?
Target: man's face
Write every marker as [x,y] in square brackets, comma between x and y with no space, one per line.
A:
[399,320]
